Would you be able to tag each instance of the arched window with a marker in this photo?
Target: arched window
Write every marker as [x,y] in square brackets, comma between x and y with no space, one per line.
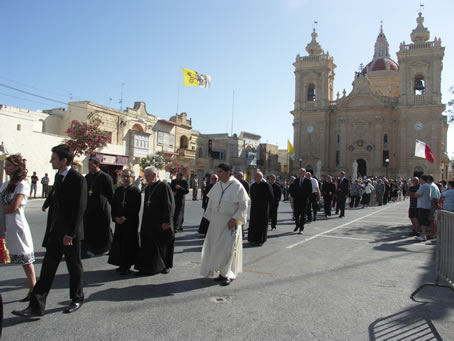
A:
[200,152]
[311,94]
[420,85]
[184,142]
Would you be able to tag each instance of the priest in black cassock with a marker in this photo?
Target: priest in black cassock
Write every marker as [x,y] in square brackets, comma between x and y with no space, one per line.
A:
[204,223]
[98,234]
[180,189]
[157,234]
[125,213]
[261,199]
[277,193]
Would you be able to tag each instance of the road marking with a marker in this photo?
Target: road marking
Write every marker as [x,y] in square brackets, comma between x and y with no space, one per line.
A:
[352,238]
[335,228]
[386,222]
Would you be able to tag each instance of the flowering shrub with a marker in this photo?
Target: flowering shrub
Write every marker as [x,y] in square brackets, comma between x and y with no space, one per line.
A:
[155,160]
[86,137]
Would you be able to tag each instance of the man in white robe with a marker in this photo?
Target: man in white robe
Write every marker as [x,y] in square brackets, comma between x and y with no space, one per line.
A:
[222,250]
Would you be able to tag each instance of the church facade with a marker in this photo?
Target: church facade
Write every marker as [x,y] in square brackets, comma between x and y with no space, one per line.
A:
[372,130]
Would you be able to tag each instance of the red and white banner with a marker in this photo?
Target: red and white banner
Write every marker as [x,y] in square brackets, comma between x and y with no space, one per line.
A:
[422,149]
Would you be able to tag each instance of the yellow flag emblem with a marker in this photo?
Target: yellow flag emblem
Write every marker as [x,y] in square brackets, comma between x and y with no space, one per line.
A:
[290,148]
[193,78]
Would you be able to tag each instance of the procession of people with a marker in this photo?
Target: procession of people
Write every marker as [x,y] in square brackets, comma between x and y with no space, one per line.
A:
[81,211]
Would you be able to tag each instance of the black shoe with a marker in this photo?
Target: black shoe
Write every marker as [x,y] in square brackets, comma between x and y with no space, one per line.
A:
[226,282]
[300,231]
[165,271]
[315,219]
[341,216]
[118,269]
[273,229]
[125,272]
[220,278]
[28,312]
[26,298]
[295,229]
[74,306]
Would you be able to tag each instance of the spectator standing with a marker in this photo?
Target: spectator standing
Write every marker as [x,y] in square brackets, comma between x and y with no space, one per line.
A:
[434,199]
[424,206]
[195,187]
[413,209]
[447,197]
[355,194]
[34,185]
[45,183]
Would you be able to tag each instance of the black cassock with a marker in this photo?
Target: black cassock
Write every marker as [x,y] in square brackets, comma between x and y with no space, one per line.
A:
[97,231]
[125,244]
[204,223]
[156,244]
[261,199]
[178,217]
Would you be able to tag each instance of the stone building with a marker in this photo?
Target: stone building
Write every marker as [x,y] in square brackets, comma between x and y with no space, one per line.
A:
[131,132]
[373,129]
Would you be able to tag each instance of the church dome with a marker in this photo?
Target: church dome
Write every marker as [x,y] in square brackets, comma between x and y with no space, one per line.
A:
[382,60]
[381,64]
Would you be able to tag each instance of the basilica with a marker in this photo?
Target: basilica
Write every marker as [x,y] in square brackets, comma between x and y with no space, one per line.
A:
[372,130]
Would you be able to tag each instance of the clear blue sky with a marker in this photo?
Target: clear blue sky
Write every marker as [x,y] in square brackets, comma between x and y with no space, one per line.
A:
[89,48]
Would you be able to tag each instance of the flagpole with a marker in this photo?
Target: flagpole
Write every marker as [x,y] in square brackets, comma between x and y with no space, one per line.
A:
[233,102]
[178,89]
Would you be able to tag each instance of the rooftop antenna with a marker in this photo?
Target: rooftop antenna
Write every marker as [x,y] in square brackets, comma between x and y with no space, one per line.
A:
[314,25]
[121,97]
[421,7]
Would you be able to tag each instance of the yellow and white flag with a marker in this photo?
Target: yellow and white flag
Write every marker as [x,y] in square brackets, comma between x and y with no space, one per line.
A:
[193,78]
[290,149]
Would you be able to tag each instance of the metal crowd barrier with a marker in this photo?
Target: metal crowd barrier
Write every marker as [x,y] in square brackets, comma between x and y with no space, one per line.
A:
[444,252]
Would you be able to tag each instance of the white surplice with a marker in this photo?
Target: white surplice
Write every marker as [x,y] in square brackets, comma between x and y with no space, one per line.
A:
[223,247]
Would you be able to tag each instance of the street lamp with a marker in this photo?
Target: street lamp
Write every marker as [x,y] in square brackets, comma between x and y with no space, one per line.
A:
[301,162]
[386,165]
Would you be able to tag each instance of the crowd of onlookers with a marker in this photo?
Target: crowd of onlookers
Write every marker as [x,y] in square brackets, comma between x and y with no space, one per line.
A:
[425,197]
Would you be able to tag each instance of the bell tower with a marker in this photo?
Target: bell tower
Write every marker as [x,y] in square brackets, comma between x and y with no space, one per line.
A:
[420,63]
[314,78]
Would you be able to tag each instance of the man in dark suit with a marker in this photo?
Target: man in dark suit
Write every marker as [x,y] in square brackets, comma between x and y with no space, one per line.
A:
[342,192]
[301,191]
[63,236]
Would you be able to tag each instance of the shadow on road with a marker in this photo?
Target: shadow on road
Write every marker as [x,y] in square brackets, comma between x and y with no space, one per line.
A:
[142,292]
[409,324]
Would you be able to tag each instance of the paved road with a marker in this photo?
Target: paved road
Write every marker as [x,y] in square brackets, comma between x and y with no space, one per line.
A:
[342,279]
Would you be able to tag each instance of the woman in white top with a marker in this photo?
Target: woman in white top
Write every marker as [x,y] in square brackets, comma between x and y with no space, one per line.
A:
[13,194]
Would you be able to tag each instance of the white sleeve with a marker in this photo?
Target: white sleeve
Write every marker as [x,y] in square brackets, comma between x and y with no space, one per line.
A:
[23,188]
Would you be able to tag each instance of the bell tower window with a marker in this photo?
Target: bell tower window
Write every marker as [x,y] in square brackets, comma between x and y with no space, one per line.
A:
[420,85]
[311,94]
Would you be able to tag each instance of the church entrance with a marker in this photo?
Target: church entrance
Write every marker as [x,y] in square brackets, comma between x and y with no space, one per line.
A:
[418,171]
[362,168]
[310,169]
